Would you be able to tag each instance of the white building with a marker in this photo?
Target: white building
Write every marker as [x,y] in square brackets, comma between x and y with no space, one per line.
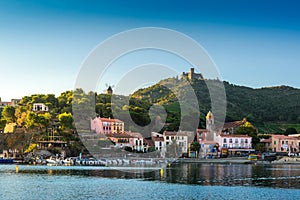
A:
[40,107]
[223,138]
[234,141]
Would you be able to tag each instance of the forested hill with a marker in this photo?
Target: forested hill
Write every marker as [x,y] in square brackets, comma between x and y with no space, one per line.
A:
[260,106]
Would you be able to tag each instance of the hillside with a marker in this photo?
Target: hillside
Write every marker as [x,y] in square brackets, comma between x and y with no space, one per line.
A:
[271,109]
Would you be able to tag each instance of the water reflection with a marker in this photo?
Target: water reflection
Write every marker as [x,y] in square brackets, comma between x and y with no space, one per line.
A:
[275,176]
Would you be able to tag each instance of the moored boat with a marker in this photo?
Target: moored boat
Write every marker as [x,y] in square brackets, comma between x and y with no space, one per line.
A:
[6,160]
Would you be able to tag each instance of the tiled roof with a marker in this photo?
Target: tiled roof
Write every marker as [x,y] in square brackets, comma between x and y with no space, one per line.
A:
[234,136]
[169,133]
[202,130]
[111,120]
[233,124]
[269,140]
[134,134]
[283,137]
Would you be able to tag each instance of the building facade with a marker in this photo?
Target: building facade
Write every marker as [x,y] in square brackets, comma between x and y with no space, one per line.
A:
[220,138]
[107,126]
[282,143]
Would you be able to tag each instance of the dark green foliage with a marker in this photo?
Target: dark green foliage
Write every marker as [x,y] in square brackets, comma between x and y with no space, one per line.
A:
[290,131]
[8,114]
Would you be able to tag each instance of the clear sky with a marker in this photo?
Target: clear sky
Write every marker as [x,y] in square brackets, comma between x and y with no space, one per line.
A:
[43,43]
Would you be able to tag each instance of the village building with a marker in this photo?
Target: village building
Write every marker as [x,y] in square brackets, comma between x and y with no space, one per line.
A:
[134,140]
[182,139]
[40,107]
[222,139]
[107,126]
[13,102]
[281,143]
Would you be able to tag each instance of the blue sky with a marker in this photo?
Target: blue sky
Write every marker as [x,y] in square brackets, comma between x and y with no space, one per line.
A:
[44,43]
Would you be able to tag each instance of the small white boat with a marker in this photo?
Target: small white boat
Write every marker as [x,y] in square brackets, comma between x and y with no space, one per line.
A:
[51,161]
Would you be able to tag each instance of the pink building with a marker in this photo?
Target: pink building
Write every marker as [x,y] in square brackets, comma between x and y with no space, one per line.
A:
[107,126]
[282,143]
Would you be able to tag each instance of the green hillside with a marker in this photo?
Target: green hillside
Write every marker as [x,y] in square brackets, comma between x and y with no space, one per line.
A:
[271,109]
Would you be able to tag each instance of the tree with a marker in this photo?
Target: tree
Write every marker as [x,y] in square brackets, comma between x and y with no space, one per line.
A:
[195,146]
[290,131]
[65,120]
[37,120]
[43,120]
[250,130]
[8,114]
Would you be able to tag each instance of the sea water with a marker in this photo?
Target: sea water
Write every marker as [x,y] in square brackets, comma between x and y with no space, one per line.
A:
[178,181]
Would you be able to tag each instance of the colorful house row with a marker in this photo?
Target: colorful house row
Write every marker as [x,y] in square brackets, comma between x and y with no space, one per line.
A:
[282,143]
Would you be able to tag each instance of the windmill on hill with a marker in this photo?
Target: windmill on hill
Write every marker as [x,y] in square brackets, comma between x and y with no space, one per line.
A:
[109,89]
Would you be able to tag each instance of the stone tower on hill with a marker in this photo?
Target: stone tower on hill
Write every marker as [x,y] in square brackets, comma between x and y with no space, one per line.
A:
[191,75]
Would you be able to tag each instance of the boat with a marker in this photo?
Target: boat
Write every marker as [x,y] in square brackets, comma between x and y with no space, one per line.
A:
[51,161]
[6,160]
[252,157]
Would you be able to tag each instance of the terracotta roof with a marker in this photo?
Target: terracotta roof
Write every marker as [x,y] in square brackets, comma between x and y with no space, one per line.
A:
[234,136]
[134,134]
[110,120]
[281,137]
[169,133]
[202,130]
[266,140]
[234,124]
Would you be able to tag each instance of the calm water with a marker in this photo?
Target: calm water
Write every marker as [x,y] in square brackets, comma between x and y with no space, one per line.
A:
[179,181]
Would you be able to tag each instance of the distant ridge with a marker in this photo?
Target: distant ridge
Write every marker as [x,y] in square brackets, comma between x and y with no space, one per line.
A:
[276,104]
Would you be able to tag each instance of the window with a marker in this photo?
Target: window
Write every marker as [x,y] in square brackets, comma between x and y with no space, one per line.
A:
[236,141]
[224,145]
[286,142]
[230,140]
[242,141]
[167,138]
[224,140]
[246,141]
[136,142]
[160,143]
[282,142]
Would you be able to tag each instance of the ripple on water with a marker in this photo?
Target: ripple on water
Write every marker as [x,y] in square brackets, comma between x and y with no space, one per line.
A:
[44,182]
